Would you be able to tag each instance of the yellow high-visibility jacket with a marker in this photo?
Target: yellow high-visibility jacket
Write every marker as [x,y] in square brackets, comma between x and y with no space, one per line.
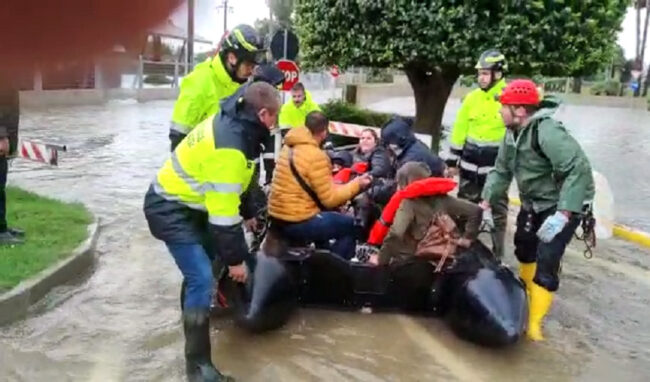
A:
[478,124]
[199,188]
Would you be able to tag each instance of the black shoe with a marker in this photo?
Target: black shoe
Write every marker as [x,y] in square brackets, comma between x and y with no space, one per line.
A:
[198,362]
[6,238]
[16,232]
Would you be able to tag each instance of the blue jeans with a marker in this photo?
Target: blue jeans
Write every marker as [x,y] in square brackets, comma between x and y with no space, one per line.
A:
[324,227]
[196,267]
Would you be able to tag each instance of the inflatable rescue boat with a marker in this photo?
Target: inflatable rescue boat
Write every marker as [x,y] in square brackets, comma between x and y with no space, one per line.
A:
[481,299]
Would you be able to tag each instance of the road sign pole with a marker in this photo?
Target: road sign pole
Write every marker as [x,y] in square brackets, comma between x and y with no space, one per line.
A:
[284,55]
[286,36]
[278,134]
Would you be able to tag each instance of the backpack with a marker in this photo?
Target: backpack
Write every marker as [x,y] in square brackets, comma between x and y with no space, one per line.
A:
[439,242]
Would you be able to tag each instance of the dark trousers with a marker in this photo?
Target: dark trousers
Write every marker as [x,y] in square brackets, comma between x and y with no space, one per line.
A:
[324,227]
[529,249]
[470,188]
[3,195]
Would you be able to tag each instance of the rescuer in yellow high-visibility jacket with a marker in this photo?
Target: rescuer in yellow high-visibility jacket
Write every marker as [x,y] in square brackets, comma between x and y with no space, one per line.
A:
[476,136]
[197,194]
[215,79]
[295,110]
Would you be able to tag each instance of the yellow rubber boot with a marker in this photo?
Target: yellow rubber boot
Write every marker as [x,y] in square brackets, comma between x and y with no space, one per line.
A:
[540,303]
[527,273]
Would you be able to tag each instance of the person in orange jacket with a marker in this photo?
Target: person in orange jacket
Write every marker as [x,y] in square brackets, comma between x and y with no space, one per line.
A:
[303,191]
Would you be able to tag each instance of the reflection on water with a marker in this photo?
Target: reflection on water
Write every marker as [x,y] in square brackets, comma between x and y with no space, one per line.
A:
[122,323]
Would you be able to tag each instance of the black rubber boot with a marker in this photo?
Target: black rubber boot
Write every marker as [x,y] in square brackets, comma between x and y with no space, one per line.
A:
[198,362]
[19,233]
[6,238]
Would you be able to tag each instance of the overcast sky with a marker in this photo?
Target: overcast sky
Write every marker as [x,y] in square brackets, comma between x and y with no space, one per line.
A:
[209,20]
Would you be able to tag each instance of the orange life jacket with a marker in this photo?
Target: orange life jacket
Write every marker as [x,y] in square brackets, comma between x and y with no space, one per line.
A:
[419,188]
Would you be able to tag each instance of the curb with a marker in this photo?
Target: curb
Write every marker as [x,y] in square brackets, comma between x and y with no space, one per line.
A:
[622,231]
[15,303]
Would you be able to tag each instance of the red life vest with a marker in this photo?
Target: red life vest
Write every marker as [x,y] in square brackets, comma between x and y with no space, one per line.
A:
[422,187]
[344,175]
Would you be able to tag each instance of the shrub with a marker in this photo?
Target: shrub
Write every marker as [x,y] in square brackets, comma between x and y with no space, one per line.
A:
[610,88]
[341,111]
[345,112]
[467,81]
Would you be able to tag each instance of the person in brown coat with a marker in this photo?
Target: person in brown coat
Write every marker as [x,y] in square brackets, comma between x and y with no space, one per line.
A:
[414,216]
[301,196]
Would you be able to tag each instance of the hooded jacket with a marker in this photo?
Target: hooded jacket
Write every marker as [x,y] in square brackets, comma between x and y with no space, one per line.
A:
[288,201]
[398,131]
[198,191]
[294,116]
[550,167]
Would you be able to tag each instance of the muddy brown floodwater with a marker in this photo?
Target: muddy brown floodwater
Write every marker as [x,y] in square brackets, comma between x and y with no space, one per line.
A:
[122,323]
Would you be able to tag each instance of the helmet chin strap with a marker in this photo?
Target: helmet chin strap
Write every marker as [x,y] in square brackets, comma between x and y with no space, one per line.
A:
[232,71]
[493,80]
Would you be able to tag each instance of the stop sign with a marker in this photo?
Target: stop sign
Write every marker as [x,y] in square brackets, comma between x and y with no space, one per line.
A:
[334,71]
[291,73]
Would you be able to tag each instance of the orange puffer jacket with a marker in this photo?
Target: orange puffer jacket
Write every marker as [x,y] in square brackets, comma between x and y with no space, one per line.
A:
[288,201]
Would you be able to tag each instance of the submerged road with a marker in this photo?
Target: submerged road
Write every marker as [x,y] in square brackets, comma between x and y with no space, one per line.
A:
[123,323]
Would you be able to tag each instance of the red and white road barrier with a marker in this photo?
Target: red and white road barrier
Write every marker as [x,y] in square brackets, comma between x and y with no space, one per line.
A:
[39,152]
[349,129]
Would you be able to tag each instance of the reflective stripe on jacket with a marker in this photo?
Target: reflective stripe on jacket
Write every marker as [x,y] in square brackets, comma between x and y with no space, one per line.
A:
[479,125]
[198,191]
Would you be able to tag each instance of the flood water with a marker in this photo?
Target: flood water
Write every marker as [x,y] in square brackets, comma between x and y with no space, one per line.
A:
[122,323]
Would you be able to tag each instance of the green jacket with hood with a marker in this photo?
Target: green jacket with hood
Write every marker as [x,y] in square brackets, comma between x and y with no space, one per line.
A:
[563,179]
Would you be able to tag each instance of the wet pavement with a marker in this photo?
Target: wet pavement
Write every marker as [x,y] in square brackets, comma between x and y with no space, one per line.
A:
[122,323]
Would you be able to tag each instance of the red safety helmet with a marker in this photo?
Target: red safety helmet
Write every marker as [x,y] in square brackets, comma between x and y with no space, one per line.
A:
[520,92]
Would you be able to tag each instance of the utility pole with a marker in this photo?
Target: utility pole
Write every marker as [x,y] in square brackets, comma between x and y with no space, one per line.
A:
[226,9]
[190,35]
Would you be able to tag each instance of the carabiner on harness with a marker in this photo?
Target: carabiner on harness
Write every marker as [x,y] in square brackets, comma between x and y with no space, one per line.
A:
[588,236]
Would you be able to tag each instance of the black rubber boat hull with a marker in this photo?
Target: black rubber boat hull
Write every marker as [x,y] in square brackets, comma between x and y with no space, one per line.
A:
[483,301]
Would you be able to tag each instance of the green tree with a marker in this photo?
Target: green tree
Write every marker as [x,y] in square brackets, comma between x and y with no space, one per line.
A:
[434,42]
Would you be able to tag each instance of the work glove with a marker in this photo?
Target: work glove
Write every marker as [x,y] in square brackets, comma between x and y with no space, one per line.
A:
[553,225]
[488,219]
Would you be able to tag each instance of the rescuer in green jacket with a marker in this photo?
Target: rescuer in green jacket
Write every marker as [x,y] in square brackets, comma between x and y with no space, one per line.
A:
[197,194]
[476,136]
[556,188]
[214,79]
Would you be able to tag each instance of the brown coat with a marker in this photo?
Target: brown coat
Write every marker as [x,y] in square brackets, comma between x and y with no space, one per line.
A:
[288,201]
[413,218]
